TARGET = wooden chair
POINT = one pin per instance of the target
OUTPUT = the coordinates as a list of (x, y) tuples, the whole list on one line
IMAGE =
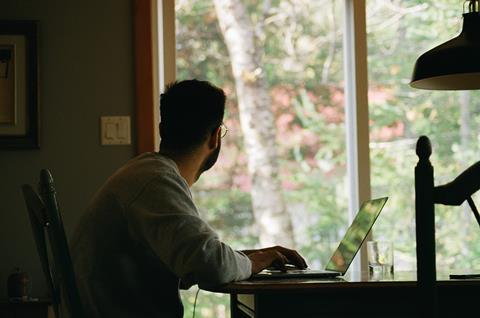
[(427, 195), (47, 227)]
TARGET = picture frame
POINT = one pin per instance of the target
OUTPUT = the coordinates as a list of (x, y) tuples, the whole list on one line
[(19, 102)]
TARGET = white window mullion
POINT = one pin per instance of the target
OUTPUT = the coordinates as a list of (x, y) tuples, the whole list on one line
[(356, 111)]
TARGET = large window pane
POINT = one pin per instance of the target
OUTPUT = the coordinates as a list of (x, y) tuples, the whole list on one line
[(398, 32), (294, 62)]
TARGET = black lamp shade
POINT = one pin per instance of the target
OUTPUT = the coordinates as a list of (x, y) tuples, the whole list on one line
[(453, 65)]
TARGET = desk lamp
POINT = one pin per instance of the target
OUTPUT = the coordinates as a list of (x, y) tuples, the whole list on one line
[(453, 65)]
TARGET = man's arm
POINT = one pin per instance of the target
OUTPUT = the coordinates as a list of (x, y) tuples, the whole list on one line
[(165, 219)]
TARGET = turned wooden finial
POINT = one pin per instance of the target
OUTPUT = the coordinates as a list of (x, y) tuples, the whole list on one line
[(424, 148)]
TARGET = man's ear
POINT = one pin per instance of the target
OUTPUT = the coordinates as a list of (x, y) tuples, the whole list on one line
[(214, 138)]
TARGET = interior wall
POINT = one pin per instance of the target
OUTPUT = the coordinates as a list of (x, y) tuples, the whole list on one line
[(86, 69)]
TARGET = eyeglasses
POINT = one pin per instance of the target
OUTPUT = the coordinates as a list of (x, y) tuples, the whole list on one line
[(223, 130)]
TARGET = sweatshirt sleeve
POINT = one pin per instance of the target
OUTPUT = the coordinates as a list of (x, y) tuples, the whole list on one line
[(164, 217)]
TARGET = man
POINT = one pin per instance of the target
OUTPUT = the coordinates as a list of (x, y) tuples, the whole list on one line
[(142, 235)]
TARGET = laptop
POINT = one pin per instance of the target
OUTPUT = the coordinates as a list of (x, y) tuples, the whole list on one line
[(343, 256)]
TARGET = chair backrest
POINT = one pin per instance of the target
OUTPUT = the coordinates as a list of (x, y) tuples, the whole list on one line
[(427, 195), (45, 217)]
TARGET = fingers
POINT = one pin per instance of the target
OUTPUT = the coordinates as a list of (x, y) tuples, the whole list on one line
[(280, 261), (267, 258), (292, 256), (277, 257), (296, 259)]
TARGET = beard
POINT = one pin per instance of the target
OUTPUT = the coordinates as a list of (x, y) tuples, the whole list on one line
[(210, 160)]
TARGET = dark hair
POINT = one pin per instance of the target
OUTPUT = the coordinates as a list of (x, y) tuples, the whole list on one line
[(190, 110)]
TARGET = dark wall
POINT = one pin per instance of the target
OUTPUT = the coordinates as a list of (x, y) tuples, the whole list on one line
[(86, 71)]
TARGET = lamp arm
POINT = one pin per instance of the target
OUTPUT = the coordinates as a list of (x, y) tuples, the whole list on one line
[(474, 209), (460, 189)]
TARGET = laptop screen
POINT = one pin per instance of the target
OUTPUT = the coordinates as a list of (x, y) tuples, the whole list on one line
[(355, 235)]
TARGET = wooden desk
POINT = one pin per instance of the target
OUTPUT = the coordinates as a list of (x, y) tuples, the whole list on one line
[(346, 297), (29, 309)]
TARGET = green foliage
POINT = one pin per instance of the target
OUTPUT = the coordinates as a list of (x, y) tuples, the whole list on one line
[(207, 304), (229, 213), (393, 47), (302, 59)]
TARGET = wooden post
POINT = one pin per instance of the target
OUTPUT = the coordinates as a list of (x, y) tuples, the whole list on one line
[(425, 230), (143, 21)]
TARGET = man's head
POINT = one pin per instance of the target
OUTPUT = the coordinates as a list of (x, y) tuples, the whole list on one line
[(190, 112)]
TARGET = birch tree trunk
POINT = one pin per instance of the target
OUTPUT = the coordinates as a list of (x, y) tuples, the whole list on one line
[(257, 122)]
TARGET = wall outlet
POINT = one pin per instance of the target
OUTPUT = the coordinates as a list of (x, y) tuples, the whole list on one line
[(115, 130)]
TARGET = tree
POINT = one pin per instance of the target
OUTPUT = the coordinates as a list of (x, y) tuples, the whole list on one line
[(257, 121), (297, 46)]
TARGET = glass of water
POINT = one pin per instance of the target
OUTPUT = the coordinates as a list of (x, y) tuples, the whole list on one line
[(380, 259)]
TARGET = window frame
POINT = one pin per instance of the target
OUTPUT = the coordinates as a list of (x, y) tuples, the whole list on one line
[(357, 115), (154, 32)]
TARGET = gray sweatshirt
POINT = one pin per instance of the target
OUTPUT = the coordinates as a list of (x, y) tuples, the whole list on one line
[(140, 235)]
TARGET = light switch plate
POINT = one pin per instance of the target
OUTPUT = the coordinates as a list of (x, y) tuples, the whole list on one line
[(115, 130)]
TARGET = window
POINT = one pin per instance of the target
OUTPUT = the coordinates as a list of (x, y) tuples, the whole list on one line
[(330, 139), (398, 32), (283, 69)]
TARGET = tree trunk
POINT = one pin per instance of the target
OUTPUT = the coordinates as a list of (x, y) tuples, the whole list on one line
[(257, 122), (331, 46)]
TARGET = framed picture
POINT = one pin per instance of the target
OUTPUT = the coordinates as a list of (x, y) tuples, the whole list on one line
[(18, 85)]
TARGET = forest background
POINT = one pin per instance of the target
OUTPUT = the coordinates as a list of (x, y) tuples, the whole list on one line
[(281, 177)]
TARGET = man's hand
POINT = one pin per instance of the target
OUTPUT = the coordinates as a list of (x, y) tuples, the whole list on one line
[(276, 256)]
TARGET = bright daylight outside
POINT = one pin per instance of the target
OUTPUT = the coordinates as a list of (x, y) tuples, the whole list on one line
[(281, 176)]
